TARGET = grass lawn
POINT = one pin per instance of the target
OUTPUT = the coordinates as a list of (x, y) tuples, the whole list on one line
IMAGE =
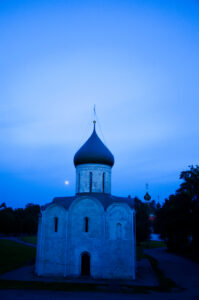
[(14, 255), (153, 244), (147, 245), (139, 253), (32, 239)]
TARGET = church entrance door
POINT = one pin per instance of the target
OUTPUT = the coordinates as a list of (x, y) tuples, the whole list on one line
[(85, 264)]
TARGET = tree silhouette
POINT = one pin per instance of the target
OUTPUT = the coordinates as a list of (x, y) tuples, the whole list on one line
[(19, 221), (178, 218)]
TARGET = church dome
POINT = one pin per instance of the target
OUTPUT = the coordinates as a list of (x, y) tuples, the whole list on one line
[(94, 152)]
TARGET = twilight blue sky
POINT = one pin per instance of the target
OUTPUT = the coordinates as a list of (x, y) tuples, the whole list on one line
[(138, 61)]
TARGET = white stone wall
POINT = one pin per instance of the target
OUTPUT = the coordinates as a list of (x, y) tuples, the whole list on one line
[(111, 247), (52, 246), (81, 241), (83, 178), (120, 242)]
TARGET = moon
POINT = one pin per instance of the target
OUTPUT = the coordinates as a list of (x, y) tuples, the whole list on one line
[(66, 182)]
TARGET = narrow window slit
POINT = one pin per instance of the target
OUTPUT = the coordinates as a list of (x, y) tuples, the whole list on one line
[(56, 224), (103, 182), (79, 183), (91, 181), (86, 224)]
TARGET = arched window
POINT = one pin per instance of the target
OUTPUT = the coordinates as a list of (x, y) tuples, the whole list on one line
[(56, 224), (119, 231), (86, 224), (90, 181), (79, 183), (103, 182)]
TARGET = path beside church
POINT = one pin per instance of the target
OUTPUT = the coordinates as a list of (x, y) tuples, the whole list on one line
[(52, 295), (181, 270)]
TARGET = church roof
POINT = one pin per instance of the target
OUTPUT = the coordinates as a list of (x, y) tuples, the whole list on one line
[(105, 199), (94, 152)]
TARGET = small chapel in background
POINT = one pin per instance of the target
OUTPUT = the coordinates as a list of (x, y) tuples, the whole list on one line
[(93, 232)]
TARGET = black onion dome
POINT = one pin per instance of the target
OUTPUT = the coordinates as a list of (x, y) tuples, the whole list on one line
[(94, 152)]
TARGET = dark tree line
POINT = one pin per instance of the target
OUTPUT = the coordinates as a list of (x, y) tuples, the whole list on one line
[(24, 221), (143, 225), (19, 221), (178, 219)]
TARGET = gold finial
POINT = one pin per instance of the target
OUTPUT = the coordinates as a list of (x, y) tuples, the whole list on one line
[(94, 112), (94, 122)]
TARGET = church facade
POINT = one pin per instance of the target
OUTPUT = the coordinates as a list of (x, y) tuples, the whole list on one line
[(91, 233)]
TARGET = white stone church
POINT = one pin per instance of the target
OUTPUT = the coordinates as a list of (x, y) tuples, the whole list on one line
[(91, 233)]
